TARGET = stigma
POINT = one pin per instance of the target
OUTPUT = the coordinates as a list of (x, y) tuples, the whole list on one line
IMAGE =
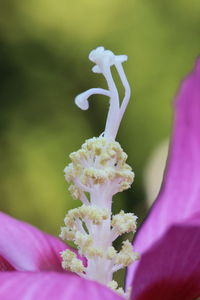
[(104, 60)]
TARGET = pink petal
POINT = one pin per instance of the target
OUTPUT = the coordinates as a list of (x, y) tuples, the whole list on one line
[(51, 286), (180, 193), (24, 247), (4, 265), (170, 269)]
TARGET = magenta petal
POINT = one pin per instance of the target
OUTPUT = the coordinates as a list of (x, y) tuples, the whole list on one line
[(51, 285), (180, 193), (170, 269), (5, 266), (24, 247)]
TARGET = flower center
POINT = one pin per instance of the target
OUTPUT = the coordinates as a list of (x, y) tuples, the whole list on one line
[(98, 171)]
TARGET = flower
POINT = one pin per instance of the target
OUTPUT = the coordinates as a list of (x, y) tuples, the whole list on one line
[(168, 240)]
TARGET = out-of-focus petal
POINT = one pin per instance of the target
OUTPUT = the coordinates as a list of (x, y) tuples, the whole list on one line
[(170, 269), (179, 197), (51, 285), (4, 265), (24, 247)]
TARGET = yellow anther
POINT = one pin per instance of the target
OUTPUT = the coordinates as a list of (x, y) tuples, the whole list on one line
[(67, 234), (121, 292), (98, 151), (71, 262), (69, 172), (93, 213), (75, 192), (113, 285), (82, 241), (111, 253), (124, 186), (124, 222), (126, 256), (96, 175)]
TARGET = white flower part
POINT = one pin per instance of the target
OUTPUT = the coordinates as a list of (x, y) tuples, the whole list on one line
[(98, 170), (102, 57), (104, 60), (82, 100)]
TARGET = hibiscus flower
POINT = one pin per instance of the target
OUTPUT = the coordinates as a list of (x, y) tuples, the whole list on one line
[(168, 241)]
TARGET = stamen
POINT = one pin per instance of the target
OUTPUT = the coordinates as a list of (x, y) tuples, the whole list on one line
[(97, 172), (126, 256), (71, 262), (123, 223), (114, 286), (98, 162)]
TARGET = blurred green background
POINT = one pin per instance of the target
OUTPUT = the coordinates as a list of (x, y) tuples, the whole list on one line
[(43, 65)]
